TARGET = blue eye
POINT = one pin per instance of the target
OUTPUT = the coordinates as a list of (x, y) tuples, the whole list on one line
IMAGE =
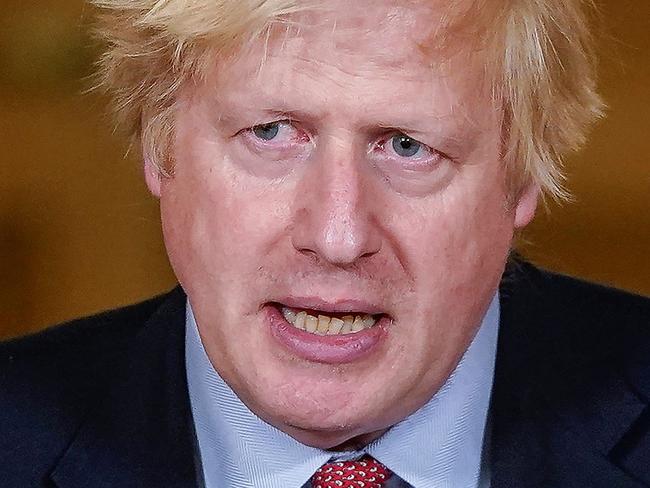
[(404, 146), (267, 132)]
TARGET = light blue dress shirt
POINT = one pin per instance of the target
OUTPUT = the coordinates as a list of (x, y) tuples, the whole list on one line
[(438, 446)]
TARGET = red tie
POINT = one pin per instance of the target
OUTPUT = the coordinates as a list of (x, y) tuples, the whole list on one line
[(364, 473)]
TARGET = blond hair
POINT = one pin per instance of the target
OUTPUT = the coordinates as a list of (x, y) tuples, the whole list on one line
[(541, 57)]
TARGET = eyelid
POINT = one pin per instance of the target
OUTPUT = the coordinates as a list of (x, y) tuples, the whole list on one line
[(262, 123), (295, 137), (249, 131), (398, 133), (271, 122)]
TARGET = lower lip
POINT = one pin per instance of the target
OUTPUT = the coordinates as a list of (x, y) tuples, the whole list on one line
[(330, 349)]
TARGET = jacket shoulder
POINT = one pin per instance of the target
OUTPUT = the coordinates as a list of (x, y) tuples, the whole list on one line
[(572, 380), (578, 323), (571, 293), (49, 379), (103, 330)]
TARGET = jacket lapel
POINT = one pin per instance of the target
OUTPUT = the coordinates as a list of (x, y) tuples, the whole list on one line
[(559, 420), (139, 434)]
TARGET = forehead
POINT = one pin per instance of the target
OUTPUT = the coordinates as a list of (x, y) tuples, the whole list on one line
[(363, 55), (385, 34)]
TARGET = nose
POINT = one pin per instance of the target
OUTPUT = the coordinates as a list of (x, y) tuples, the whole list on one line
[(333, 213)]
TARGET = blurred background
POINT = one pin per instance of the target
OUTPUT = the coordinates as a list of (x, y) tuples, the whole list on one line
[(79, 232)]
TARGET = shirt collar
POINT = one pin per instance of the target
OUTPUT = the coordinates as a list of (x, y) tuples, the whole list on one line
[(438, 445)]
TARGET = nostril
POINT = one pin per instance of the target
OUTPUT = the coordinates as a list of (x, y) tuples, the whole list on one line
[(369, 254), (310, 253)]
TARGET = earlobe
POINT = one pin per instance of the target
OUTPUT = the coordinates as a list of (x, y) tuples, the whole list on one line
[(152, 177), (526, 206)]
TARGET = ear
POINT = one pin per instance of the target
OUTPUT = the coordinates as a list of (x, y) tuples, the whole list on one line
[(526, 205), (152, 176)]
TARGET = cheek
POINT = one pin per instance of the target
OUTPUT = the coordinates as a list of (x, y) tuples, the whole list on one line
[(457, 244), (214, 215), (215, 220)]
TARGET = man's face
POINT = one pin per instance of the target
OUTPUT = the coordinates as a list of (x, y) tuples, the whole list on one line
[(337, 171)]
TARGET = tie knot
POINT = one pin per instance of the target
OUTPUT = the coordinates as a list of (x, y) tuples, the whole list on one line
[(364, 473)]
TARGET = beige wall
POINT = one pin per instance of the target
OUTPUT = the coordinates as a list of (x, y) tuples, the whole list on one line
[(79, 233)]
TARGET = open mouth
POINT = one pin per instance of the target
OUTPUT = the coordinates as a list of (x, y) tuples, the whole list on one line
[(336, 336), (323, 322)]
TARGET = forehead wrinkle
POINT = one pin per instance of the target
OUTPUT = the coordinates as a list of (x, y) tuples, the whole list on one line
[(380, 63), (345, 69), (286, 92), (441, 106), (344, 76), (308, 34)]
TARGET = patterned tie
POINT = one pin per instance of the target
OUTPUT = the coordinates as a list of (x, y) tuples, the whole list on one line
[(364, 473)]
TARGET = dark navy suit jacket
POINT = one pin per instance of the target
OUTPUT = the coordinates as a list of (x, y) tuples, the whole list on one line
[(103, 402)]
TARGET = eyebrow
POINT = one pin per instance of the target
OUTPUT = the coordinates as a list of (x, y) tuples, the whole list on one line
[(398, 122), (450, 134), (232, 111)]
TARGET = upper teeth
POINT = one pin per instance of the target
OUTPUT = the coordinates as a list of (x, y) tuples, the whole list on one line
[(324, 324)]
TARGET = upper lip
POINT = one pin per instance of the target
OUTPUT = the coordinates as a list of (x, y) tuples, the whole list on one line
[(337, 305)]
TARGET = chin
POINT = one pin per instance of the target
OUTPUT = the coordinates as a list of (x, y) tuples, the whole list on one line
[(341, 434), (323, 435), (328, 420)]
